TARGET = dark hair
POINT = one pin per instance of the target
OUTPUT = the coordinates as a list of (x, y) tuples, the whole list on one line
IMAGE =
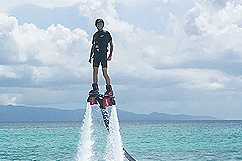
[(98, 21)]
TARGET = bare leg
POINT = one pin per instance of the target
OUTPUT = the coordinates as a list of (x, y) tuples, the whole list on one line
[(95, 75), (105, 74)]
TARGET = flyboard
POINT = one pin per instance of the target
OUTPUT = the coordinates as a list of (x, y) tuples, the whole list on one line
[(104, 102)]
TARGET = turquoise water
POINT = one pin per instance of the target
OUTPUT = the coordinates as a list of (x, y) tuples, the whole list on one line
[(161, 140)]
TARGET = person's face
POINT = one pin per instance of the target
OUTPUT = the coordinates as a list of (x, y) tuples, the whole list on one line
[(100, 26)]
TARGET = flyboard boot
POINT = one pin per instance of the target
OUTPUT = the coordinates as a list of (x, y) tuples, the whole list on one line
[(95, 90), (93, 94), (109, 91), (108, 99)]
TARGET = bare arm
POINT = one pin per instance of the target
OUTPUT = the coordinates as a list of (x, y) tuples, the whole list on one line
[(111, 50), (91, 53)]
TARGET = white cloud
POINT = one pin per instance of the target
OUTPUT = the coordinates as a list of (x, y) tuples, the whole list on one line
[(39, 67), (56, 48), (6, 71), (215, 31), (6, 99), (94, 9), (200, 79)]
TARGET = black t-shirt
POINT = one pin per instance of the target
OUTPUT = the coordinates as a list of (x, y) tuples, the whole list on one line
[(100, 41)]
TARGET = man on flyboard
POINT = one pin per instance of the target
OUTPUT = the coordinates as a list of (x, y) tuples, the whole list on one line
[(101, 40)]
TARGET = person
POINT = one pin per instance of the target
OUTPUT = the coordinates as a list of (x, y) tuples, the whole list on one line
[(101, 40)]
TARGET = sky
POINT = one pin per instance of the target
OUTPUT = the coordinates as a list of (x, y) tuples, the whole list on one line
[(170, 56)]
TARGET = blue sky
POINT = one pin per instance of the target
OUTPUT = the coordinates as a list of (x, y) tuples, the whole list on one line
[(172, 56)]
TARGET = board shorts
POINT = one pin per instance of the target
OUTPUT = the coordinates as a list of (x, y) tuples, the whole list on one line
[(97, 61)]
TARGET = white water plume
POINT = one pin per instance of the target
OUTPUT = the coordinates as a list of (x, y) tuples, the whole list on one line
[(114, 146), (85, 152)]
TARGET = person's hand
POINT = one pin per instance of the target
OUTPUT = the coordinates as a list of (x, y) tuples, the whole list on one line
[(90, 60), (109, 58)]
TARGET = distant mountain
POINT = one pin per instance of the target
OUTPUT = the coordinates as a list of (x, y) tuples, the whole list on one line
[(123, 115), (23, 113)]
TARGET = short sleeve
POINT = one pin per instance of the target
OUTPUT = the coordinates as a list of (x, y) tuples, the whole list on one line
[(109, 37)]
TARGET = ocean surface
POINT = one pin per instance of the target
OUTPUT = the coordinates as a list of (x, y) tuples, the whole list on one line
[(144, 140)]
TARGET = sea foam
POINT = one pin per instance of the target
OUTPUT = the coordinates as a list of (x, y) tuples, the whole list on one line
[(85, 152), (114, 146)]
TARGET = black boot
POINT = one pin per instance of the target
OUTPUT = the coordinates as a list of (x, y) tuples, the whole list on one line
[(94, 89), (109, 91)]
